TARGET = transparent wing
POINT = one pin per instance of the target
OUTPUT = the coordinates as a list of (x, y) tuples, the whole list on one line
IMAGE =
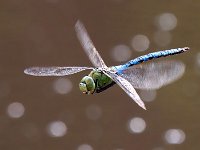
[(154, 75), (54, 71), (127, 87), (88, 46)]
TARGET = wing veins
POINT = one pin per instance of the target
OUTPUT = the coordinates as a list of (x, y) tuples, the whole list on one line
[(154, 75), (88, 45), (54, 71), (127, 87)]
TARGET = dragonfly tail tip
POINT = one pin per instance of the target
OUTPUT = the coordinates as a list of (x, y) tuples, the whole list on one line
[(25, 71), (186, 48)]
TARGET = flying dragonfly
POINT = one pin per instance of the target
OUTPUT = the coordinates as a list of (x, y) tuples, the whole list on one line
[(128, 76)]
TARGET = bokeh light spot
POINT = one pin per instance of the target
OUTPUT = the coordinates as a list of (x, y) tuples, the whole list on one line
[(148, 95), (162, 38), (93, 112), (4, 89), (52, 1), (15, 110), (174, 136), (197, 63), (198, 59), (140, 42), (158, 148), (85, 147), (166, 21), (57, 129), (136, 125), (121, 53), (31, 131), (62, 86)]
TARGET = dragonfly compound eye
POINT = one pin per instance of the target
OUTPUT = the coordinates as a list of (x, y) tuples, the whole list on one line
[(87, 85)]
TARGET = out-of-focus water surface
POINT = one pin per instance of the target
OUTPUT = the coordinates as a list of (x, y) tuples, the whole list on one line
[(50, 113)]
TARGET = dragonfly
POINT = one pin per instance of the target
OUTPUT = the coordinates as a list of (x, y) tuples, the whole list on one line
[(129, 76)]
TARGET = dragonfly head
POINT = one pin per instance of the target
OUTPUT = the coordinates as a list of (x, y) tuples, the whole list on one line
[(87, 85)]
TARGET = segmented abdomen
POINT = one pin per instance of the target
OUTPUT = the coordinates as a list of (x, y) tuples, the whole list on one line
[(150, 56)]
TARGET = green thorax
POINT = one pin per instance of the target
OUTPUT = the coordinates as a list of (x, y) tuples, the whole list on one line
[(101, 80)]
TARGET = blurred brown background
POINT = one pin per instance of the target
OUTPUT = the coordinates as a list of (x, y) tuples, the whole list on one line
[(50, 113)]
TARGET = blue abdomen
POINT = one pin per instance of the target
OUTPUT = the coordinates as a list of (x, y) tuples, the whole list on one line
[(150, 56)]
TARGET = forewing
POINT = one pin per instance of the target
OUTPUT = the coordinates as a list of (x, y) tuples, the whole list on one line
[(88, 46), (154, 75), (54, 71), (127, 87)]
